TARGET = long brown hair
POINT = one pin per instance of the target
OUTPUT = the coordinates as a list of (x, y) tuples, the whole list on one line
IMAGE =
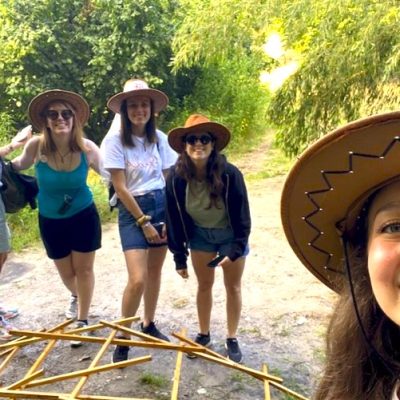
[(76, 143), (187, 170), (360, 366), (126, 126)]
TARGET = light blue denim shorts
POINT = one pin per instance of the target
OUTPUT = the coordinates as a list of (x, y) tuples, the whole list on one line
[(213, 240), (132, 236)]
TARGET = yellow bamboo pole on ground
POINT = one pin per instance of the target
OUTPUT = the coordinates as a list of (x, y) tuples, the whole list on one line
[(288, 391), (93, 364), (177, 372), (266, 383), (31, 339), (132, 332), (24, 394), (219, 359), (27, 378), (88, 371), (9, 357)]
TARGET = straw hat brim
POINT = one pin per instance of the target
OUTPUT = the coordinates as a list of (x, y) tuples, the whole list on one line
[(160, 99), (326, 188), (220, 132), (40, 102)]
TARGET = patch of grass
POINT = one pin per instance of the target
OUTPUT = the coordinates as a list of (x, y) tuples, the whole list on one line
[(154, 380), (255, 331)]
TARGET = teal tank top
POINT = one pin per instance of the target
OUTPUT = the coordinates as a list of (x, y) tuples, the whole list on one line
[(56, 186)]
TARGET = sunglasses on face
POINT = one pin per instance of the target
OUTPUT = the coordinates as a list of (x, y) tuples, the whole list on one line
[(53, 114), (193, 139)]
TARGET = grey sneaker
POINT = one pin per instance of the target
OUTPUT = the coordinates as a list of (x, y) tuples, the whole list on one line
[(71, 311), (233, 350), (202, 340), (78, 343), (120, 353)]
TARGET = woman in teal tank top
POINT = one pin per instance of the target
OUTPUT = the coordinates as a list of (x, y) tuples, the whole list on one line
[(68, 220)]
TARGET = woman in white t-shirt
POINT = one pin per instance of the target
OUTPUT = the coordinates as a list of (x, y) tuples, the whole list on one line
[(137, 155)]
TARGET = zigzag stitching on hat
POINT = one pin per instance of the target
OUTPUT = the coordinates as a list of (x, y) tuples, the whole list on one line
[(328, 188)]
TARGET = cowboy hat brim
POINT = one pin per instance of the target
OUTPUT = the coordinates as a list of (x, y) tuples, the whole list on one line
[(220, 133), (324, 191), (40, 102), (160, 99)]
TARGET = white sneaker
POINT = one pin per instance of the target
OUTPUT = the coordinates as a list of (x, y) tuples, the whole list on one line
[(72, 309), (78, 343)]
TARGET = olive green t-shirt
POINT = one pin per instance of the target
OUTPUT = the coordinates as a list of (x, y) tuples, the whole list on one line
[(197, 206)]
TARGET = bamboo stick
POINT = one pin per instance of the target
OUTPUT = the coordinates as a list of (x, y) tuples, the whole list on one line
[(95, 361), (219, 359), (266, 383), (31, 339), (132, 332), (288, 391), (9, 357), (27, 378), (88, 371), (177, 372), (121, 342)]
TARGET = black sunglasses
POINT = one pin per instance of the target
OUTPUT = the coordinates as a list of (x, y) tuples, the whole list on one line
[(193, 139), (53, 114)]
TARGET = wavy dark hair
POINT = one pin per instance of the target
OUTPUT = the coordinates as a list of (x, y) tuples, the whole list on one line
[(363, 344), (126, 126), (215, 165)]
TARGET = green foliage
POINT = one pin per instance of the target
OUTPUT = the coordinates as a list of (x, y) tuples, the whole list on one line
[(90, 47), (154, 380), (349, 52)]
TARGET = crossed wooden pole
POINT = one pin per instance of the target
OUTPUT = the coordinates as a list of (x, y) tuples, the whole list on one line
[(34, 376)]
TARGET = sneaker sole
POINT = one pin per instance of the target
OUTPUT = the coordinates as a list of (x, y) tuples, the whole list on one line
[(75, 345)]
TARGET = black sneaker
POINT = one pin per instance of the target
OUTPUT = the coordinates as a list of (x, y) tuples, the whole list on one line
[(153, 331), (202, 340), (120, 353), (233, 350)]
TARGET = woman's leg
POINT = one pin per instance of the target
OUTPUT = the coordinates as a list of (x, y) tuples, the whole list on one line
[(136, 263), (205, 280), (67, 273), (156, 257), (82, 264), (232, 280), (3, 258)]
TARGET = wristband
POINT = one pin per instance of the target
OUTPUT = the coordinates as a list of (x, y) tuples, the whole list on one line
[(143, 219)]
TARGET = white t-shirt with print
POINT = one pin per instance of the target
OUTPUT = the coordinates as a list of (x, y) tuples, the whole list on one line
[(143, 163)]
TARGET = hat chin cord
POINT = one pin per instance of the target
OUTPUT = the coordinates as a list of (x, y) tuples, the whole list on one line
[(372, 348)]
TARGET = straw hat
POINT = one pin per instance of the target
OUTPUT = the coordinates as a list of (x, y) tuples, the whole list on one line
[(39, 104), (197, 123), (327, 187), (137, 87)]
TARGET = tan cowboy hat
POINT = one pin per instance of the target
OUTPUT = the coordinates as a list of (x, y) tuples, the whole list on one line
[(325, 190), (197, 123), (39, 104), (137, 87)]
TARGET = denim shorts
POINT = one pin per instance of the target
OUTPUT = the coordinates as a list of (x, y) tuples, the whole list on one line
[(213, 240), (5, 236), (132, 236), (80, 232)]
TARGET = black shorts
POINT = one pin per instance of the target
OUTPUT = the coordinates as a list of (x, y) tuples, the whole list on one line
[(81, 232)]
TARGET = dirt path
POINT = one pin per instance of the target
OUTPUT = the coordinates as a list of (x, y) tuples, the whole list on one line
[(283, 321)]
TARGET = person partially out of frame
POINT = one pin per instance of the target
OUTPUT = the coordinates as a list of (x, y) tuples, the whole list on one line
[(341, 215)]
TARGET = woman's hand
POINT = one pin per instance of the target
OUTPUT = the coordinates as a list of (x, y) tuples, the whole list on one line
[(21, 137), (151, 234)]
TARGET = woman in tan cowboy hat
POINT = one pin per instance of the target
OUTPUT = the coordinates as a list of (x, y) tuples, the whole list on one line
[(137, 156), (68, 219), (208, 213), (341, 214)]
